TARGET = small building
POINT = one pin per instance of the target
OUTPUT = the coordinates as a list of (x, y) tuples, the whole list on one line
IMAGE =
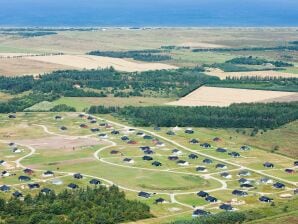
[(4, 188), (234, 154), (221, 150), (93, 121), (63, 128), (160, 201), (243, 181), (147, 137), (94, 129), (207, 161), (17, 194), (193, 156), (114, 152), (48, 173), (202, 194), (115, 132), (103, 136), (211, 199), (266, 180), (173, 158), (24, 178), (78, 176), (216, 139), (72, 186), (200, 212), (279, 185), (2, 162), (83, 126), (268, 165), (226, 207), (143, 148), (201, 169), (205, 145), (220, 166), (139, 133), (244, 173), (5, 173), (176, 152), (147, 158), (156, 163), (128, 160), (149, 152), (296, 163), (194, 141), (159, 144), (12, 116), (33, 186), (245, 148), (124, 138), (143, 194), (246, 186), (58, 117), (131, 142), (94, 182), (45, 190), (157, 128), (170, 133), (239, 193), (290, 171), (182, 163), (265, 199), (226, 175), (28, 171), (189, 131)]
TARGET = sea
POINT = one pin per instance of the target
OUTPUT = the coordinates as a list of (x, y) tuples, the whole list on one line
[(148, 13)]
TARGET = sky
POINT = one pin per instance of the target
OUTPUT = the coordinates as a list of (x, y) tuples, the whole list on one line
[(148, 12)]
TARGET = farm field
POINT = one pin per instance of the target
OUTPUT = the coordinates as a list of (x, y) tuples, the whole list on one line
[(215, 96), (102, 154)]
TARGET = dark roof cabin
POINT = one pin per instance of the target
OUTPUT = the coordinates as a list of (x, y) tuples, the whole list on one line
[(147, 137), (144, 194), (202, 194), (28, 171), (226, 207), (170, 133), (4, 188), (201, 169), (188, 131), (291, 171), (207, 161), (279, 185), (246, 186), (33, 186), (156, 163), (157, 128), (244, 148), (296, 163), (114, 152), (24, 178), (147, 158), (200, 212), (45, 190), (173, 158), (63, 128), (115, 132), (205, 145), (194, 141), (243, 181), (58, 117), (160, 201), (94, 182), (83, 126), (211, 199), (244, 173), (72, 186), (221, 150), (234, 154), (12, 116), (17, 194), (239, 193), (124, 138), (148, 152), (268, 165), (192, 156), (78, 176), (220, 166), (94, 129), (216, 139), (265, 199)]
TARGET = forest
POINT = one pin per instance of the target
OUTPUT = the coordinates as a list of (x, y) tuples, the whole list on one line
[(98, 205), (258, 61), (250, 115), (142, 55)]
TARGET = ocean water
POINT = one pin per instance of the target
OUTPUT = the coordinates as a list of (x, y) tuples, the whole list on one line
[(149, 13)]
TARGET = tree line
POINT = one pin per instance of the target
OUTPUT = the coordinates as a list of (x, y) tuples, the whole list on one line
[(249, 115), (257, 61), (98, 205), (141, 55)]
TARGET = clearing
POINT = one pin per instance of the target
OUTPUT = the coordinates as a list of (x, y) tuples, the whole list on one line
[(215, 96)]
